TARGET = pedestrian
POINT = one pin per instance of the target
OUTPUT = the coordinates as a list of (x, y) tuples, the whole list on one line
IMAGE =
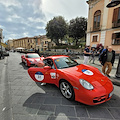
[(107, 58), (93, 53), (86, 54), (100, 50), (67, 50), (105, 49), (38, 51)]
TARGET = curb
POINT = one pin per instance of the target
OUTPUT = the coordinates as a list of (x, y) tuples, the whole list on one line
[(115, 81)]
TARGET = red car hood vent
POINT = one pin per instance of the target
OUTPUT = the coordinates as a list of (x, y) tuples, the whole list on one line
[(88, 73)]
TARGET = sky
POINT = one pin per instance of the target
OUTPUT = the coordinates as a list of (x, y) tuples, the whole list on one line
[(28, 18)]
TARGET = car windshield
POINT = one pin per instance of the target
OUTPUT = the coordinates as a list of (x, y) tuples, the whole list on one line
[(65, 62), (33, 56)]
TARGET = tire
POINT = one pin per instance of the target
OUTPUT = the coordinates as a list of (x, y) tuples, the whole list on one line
[(22, 60), (67, 90), (26, 64)]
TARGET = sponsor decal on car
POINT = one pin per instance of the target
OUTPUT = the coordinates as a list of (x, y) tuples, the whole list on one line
[(39, 76), (87, 72), (53, 75)]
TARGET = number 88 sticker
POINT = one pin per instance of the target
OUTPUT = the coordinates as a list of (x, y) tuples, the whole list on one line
[(39, 76)]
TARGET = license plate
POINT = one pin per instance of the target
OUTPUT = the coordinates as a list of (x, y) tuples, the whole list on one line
[(110, 95)]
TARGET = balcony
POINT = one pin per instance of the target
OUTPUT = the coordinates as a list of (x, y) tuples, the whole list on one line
[(96, 29), (115, 25)]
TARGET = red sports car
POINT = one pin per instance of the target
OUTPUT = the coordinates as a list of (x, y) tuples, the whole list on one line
[(83, 83), (31, 59)]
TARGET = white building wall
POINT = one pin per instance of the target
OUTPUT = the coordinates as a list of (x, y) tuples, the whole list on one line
[(102, 38), (88, 39)]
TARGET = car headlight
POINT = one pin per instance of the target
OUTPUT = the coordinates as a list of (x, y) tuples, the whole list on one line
[(30, 61), (86, 84)]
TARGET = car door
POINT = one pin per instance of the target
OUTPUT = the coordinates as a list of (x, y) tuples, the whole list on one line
[(50, 74), (46, 74)]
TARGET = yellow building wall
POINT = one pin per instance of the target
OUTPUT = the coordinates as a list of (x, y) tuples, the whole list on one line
[(108, 25), (98, 6)]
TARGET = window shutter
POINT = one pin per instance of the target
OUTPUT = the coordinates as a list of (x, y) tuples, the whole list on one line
[(115, 15), (113, 36)]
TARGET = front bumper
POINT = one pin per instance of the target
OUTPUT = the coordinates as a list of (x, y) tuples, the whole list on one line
[(96, 96)]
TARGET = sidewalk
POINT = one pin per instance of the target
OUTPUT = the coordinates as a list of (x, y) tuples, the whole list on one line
[(115, 81), (1, 66)]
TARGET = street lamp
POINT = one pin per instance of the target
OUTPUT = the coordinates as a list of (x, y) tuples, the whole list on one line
[(114, 3)]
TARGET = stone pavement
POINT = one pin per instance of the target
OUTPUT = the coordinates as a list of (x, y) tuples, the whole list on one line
[(115, 81), (31, 101)]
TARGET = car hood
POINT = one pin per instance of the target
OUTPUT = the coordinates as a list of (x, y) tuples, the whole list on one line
[(34, 59), (88, 73)]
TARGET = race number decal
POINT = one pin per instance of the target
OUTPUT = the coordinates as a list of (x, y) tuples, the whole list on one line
[(39, 76), (87, 72), (53, 75)]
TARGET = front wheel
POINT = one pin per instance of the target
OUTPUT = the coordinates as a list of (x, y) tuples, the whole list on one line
[(67, 90)]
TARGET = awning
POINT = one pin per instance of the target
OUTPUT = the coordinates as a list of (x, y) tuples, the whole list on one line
[(20, 48), (3, 44)]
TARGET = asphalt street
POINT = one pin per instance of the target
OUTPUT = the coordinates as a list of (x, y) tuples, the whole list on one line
[(23, 99)]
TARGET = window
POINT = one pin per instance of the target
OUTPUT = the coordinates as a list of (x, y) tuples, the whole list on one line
[(49, 62), (95, 38), (116, 18), (46, 42), (97, 17), (116, 38)]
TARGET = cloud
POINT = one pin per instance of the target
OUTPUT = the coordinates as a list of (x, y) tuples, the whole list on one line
[(27, 18), (67, 8), (21, 18)]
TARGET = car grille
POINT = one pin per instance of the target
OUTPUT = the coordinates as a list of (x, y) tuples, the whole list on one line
[(99, 99)]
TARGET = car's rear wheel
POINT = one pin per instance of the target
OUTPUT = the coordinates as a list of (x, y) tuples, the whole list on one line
[(67, 90), (26, 63), (22, 60)]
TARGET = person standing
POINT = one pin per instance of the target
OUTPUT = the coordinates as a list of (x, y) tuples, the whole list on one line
[(93, 53), (107, 58), (86, 54)]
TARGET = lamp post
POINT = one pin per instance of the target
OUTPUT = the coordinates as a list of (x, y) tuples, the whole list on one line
[(114, 3)]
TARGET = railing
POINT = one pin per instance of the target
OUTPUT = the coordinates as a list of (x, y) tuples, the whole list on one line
[(114, 25)]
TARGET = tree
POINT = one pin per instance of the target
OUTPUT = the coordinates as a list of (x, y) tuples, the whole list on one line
[(56, 29), (77, 28)]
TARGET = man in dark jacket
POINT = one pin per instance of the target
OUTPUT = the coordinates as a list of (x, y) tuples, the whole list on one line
[(107, 59)]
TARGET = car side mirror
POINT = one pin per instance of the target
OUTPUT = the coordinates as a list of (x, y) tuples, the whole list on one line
[(47, 67)]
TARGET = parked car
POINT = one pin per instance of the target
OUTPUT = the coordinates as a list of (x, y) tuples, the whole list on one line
[(31, 59), (83, 83), (5, 53)]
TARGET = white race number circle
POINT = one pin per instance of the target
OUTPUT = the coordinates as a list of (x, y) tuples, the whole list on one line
[(39, 76), (87, 72)]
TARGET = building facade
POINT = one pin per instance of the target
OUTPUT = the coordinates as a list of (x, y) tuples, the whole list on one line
[(10, 44), (103, 24), (43, 43), (27, 43), (36, 42)]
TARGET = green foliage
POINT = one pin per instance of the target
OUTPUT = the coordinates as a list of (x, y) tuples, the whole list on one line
[(77, 28), (56, 29), (68, 46)]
